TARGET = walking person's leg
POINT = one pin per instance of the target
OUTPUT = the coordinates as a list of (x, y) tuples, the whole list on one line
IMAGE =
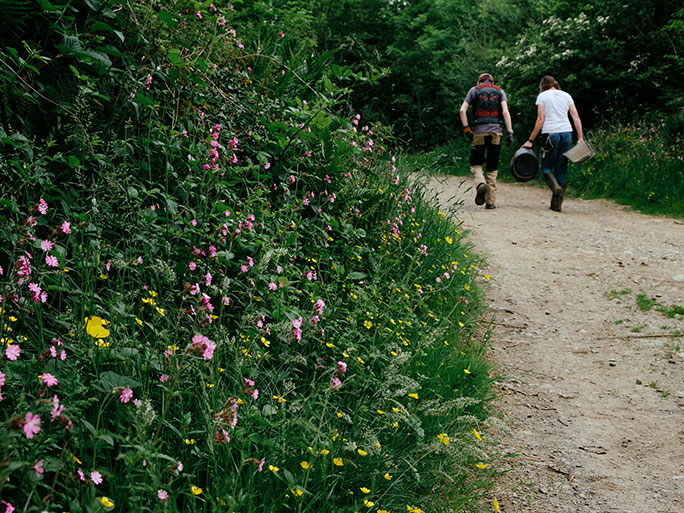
[(493, 145), (477, 160), (548, 165), (561, 166)]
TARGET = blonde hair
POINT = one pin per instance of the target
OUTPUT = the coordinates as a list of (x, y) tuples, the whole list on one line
[(547, 82)]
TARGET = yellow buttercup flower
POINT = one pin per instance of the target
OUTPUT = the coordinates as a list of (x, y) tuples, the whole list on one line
[(195, 490), (106, 502), (305, 465), (368, 504), (413, 395), (444, 438), (387, 476), (338, 462), (140, 323), (481, 466), (495, 503), (362, 452), (466, 371), (364, 489), (325, 452), (477, 435), (96, 326), (273, 468)]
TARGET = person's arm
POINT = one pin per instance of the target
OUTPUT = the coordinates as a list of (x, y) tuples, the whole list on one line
[(577, 122), (464, 116), (506, 116), (537, 126)]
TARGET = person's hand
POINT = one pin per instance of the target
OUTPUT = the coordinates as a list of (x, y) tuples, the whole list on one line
[(468, 132), (509, 138), (528, 144)]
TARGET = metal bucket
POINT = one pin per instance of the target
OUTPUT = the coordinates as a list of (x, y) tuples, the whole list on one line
[(524, 165), (581, 152)]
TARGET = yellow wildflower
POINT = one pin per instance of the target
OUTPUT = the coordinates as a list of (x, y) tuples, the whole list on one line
[(495, 503), (106, 502), (195, 490), (305, 465), (477, 435), (362, 452), (444, 438), (96, 326), (273, 468), (481, 466), (413, 395), (387, 476), (338, 462), (365, 490)]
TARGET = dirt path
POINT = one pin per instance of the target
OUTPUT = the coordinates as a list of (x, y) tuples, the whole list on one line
[(595, 405)]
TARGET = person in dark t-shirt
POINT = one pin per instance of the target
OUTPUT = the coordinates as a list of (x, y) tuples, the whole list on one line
[(489, 106)]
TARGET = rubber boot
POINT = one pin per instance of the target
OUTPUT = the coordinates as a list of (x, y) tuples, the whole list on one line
[(551, 181), (562, 195)]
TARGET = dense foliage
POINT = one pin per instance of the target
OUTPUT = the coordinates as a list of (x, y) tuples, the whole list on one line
[(619, 59), (218, 293)]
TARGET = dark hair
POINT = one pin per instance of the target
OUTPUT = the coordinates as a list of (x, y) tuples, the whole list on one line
[(547, 82)]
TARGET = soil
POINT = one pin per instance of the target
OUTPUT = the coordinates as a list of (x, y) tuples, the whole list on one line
[(591, 384)]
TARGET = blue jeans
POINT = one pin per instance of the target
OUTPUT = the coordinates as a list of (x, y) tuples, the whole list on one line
[(554, 161)]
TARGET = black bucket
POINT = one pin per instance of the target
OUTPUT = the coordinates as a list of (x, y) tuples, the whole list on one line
[(524, 165)]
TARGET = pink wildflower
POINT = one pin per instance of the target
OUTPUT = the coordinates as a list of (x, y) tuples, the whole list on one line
[(65, 227), (51, 261), (201, 345), (96, 477), (46, 245), (207, 279), (297, 331), (335, 383), (272, 286), (342, 366), (126, 395), (8, 507), (318, 306), (31, 425), (38, 468), (42, 206), (49, 379), (192, 266), (2, 379), (81, 475), (163, 378), (57, 408), (249, 382), (162, 495), (261, 464), (12, 352)]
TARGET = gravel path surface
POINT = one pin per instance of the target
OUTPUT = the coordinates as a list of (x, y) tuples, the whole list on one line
[(592, 385)]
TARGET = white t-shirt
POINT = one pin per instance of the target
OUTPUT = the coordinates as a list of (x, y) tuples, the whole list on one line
[(556, 104)]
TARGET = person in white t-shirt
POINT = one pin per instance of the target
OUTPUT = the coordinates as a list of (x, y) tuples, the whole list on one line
[(553, 107)]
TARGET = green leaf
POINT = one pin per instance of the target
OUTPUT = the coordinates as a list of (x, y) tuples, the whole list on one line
[(74, 163), (174, 56), (107, 438), (168, 18), (113, 380), (358, 276)]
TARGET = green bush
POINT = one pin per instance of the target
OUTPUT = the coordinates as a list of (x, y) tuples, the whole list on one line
[(217, 294)]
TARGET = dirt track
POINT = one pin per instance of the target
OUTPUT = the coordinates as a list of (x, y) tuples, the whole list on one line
[(592, 386)]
